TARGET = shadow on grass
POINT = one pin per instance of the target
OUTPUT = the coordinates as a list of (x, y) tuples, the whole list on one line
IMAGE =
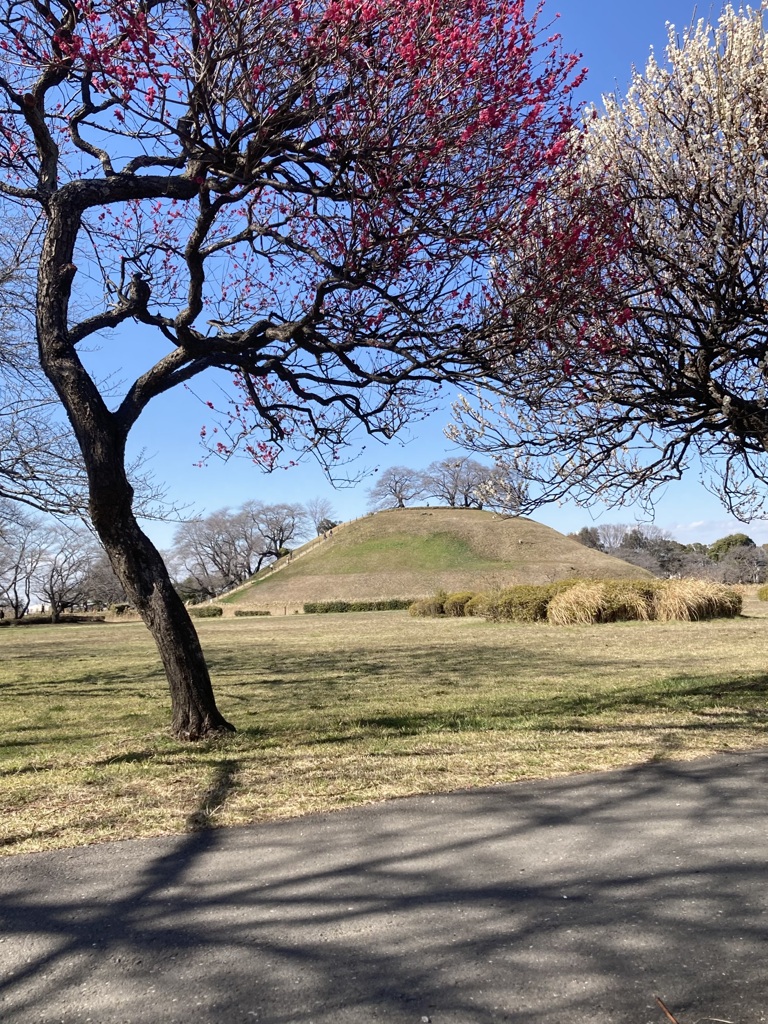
[(130, 757), (213, 799), (722, 704)]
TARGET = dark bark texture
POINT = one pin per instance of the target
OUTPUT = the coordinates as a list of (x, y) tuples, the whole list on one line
[(101, 437)]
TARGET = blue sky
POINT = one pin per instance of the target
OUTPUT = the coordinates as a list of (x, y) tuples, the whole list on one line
[(612, 37)]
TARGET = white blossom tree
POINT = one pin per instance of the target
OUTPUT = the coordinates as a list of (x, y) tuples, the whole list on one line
[(669, 369)]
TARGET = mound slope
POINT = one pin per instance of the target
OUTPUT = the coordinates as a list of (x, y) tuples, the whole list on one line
[(413, 552)]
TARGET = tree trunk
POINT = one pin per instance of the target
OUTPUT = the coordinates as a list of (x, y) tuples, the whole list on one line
[(101, 435), (142, 572)]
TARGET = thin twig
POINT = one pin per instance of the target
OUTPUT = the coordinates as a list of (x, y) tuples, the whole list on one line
[(666, 1010)]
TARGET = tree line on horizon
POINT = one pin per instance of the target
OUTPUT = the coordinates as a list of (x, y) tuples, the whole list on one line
[(734, 558), (62, 566)]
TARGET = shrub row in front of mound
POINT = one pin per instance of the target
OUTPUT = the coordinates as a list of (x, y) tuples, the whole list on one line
[(514, 604), (392, 604), (583, 602), (205, 611), (38, 619), (241, 613)]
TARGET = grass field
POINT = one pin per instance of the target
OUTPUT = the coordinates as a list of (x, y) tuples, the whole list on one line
[(337, 710)]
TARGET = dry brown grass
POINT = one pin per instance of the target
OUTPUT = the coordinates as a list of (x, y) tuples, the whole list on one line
[(687, 600), (334, 710), (691, 600), (580, 605)]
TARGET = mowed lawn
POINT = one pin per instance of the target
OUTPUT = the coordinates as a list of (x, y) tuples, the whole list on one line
[(334, 710)]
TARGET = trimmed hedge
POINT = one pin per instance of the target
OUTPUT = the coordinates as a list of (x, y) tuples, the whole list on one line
[(243, 612), (762, 593), (36, 619), (206, 611), (392, 604)]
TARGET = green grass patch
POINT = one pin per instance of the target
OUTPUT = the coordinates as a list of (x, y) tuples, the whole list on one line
[(440, 552), (350, 709)]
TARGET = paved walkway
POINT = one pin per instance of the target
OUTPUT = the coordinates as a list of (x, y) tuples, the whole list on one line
[(572, 901)]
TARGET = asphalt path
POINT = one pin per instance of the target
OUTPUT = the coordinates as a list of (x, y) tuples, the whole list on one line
[(569, 901)]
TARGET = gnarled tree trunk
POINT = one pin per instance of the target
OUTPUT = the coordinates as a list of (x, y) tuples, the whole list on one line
[(142, 572), (101, 435)]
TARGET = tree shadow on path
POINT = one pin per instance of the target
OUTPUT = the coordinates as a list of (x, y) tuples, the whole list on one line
[(568, 901)]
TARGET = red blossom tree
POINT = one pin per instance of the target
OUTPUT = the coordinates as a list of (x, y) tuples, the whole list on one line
[(309, 194)]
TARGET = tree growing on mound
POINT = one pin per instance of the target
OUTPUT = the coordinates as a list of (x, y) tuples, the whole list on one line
[(396, 487), (670, 370), (311, 196), (466, 483)]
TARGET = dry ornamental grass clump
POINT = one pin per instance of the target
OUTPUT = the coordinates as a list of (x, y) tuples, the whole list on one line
[(587, 602), (691, 600), (597, 601)]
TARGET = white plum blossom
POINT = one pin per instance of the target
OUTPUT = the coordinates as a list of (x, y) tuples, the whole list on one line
[(668, 370)]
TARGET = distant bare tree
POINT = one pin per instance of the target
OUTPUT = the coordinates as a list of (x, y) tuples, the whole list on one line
[(219, 550), (455, 481), (646, 546), (612, 536), (396, 487), (320, 510), (20, 554), (226, 547), (743, 564), (589, 536), (63, 569), (280, 524), (101, 587)]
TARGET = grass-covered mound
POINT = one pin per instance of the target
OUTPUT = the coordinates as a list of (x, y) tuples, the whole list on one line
[(585, 602), (417, 551)]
